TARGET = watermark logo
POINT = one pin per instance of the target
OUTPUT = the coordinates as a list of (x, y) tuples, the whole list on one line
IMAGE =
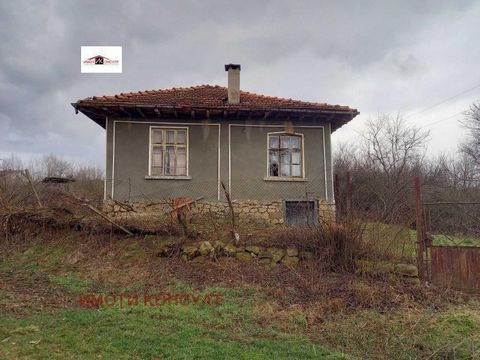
[(162, 298), (101, 59)]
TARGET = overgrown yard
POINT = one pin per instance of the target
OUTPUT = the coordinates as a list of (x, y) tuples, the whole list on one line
[(260, 312)]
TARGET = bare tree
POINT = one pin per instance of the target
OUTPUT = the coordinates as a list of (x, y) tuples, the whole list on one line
[(54, 166), (471, 147), (13, 162), (392, 146), (391, 153)]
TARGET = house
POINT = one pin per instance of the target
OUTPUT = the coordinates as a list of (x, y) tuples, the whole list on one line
[(272, 154)]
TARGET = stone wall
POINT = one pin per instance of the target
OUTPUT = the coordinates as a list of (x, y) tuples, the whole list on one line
[(247, 211), (269, 212)]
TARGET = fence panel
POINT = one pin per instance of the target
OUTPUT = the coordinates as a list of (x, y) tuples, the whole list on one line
[(456, 267)]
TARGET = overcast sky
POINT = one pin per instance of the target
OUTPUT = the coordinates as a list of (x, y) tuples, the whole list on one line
[(377, 56)]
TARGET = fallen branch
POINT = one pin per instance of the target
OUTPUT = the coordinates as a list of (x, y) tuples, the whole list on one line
[(110, 220)]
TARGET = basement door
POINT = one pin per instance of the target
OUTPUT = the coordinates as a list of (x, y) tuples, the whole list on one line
[(300, 213)]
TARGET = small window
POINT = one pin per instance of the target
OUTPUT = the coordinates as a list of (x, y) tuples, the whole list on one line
[(285, 155), (168, 152)]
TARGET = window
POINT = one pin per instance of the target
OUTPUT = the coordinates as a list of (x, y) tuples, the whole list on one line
[(168, 152), (298, 213), (285, 155)]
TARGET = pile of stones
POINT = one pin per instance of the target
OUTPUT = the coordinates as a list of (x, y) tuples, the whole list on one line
[(266, 255)]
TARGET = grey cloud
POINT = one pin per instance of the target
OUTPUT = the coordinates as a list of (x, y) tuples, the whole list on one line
[(367, 54)]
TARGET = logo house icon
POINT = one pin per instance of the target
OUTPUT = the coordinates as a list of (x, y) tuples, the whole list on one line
[(101, 59)]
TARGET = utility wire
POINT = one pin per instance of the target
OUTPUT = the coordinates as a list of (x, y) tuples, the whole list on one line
[(443, 101), (444, 119)]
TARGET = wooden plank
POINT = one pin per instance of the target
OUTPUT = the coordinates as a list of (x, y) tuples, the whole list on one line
[(184, 204)]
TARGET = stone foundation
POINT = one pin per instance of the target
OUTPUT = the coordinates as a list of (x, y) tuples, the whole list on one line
[(271, 212)]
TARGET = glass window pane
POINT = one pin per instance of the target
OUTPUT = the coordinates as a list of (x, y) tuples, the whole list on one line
[(285, 170), (157, 171), (295, 142), (285, 157), (296, 171), (296, 156), (273, 163), (157, 156), (170, 136), (181, 158), (181, 171), (284, 142), (181, 137), (157, 136), (273, 156), (170, 160), (273, 142)]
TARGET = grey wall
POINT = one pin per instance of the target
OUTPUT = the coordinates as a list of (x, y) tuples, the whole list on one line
[(249, 165), (247, 155), (130, 165)]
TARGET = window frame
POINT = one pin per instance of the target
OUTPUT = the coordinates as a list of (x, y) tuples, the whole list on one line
[(302, 157), (164, 145)]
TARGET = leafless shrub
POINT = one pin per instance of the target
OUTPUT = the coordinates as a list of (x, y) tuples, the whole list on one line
[(334, 246)]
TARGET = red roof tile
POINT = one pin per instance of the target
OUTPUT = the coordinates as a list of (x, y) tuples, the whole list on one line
[(208, 96)]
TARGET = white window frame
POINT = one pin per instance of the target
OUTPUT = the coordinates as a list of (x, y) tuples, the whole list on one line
[(268, 177), (150, 147)]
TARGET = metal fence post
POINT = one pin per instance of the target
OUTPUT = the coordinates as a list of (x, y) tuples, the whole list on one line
[(419, 227)]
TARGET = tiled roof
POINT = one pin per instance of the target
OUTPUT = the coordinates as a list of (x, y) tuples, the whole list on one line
[(210, 97)]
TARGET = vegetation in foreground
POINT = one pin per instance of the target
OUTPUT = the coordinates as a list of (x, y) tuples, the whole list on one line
[(277, 312)]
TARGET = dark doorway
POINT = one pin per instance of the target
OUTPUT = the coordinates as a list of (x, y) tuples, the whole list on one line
[(299, 213)]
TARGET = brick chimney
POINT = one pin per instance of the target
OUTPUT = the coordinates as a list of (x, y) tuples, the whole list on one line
[(233, 83)]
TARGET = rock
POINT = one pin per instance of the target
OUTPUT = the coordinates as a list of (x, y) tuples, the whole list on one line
[(376, 267), (265, 254), (230, 250), (277, 254), (254, 249), (290, 260), (206, 248), (199, 259), (244, 256), (383, 268), (305, 255), (292, 251), (218, 245), (266, 261), (406, 270), (190, 251), (134, 246)]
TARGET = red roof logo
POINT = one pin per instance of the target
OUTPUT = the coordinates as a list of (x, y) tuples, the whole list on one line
[(100, 60)]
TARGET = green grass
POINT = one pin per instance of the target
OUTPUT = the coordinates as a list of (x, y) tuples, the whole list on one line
[(412, 334), (70, 283), (456, 240), (247, 324), (394, 240), (400, 241), (232, 330)]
